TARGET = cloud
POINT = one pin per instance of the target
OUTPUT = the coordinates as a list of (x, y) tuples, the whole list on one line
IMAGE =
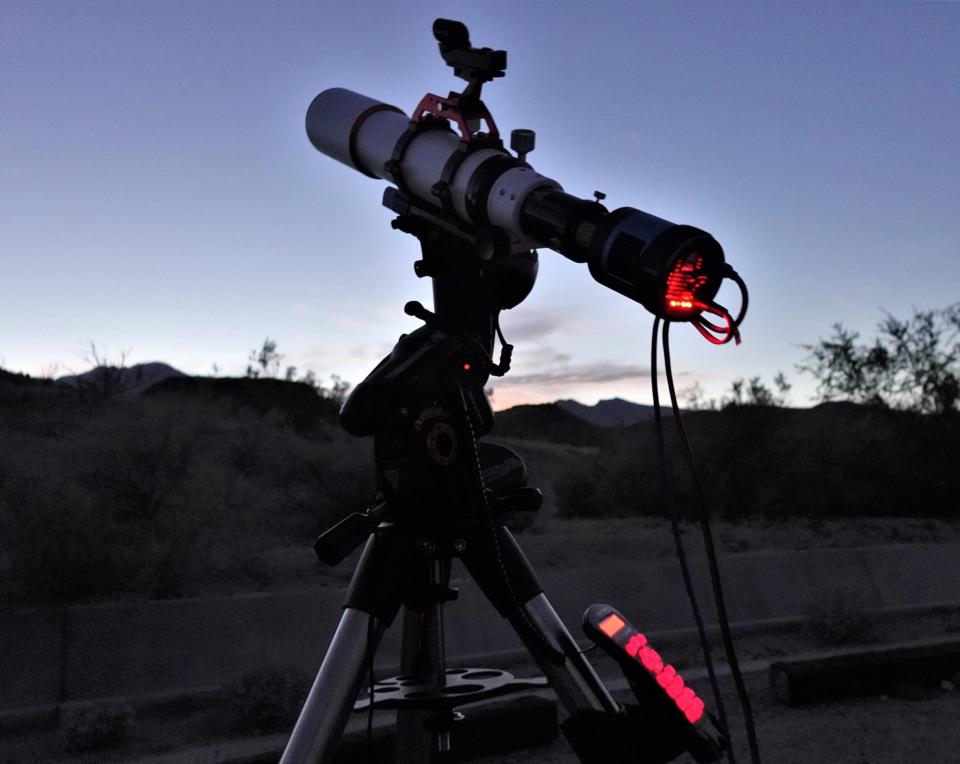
[(543, 355), (579, 375), (530, 325)]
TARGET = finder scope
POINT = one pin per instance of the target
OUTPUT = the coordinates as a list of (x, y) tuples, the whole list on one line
[(466, 181)]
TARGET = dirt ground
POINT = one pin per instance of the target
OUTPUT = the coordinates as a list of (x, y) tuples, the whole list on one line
[(911, 725), (574, 543)]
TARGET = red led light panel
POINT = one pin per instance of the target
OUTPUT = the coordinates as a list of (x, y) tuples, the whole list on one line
[(683, 282), (635, 644)]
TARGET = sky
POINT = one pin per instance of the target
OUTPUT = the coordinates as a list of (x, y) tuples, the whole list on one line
[(159, 197)]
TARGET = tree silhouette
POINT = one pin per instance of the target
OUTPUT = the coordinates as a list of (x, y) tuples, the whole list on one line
[(912, 364), (265, 361), (753, 392)]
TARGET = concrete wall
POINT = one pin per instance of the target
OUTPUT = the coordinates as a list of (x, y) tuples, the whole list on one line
[(54, 655)]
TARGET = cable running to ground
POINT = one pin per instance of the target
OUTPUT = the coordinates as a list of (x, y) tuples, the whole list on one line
[(714, 568), (674, 513)]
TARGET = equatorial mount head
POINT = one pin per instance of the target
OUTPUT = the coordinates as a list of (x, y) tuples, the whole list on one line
[(475, 65)]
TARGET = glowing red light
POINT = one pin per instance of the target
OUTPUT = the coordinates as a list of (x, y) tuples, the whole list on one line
[(694, 711), (466, 367), (665, 677), (651, 660), (672, 684), (684, 699), (635, 644), (675, 687), (683, 282), (612, 624)]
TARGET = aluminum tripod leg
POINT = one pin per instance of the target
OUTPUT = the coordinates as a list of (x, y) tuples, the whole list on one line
[(502, 571), (576, 683), (325, 712), (375, 592)]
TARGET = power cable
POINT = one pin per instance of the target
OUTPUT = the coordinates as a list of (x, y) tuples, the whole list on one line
[(681, 552), (710, 549)]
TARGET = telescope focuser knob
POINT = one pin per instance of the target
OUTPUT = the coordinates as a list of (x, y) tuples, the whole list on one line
[(522, 142)]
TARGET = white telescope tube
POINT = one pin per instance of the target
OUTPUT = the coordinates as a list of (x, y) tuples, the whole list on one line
[(489, 186)]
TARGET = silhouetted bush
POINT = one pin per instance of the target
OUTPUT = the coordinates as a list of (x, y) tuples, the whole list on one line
[(834, 460), (159, 494), (601, 488)]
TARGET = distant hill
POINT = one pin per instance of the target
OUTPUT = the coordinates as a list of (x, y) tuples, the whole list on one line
[(612, 412), (131, 380), (22, 380), (547, 421)]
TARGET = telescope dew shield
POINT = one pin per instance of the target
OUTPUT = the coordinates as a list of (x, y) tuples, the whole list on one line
[(672, 270), (356, 130), (488, 187)]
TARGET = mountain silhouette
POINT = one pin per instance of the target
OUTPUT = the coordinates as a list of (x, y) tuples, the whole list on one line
[(127, 379), (612, 412)]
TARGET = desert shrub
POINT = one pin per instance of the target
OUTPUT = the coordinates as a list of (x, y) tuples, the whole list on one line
[(577, 489), (160, 495), (840, 617), (836, 460), (611, 484), (267, 698), (751, 392), (96, 725)]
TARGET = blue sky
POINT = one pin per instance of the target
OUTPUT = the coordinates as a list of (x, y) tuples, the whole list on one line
[(158, 193)]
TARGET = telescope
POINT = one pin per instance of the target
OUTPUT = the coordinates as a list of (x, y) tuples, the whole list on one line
[(467, 183), (480, 213)]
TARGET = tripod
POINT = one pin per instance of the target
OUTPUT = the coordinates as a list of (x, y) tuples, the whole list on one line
[(443, 496)]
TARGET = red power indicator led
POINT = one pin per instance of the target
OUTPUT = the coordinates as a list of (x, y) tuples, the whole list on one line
[(466, 367), (683, 282), (611, 625)]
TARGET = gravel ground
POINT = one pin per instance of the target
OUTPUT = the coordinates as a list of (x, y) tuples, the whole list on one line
[(915, 725)]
